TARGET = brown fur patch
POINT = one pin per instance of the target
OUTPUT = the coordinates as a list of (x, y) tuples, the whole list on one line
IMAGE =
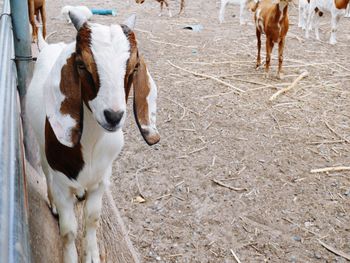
[(141, 91), (133, 61), (90, 81), (136, 75), (72, 104), (341, 4), (66, 160)]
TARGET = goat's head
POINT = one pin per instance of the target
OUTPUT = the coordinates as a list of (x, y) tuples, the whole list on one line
[(99, 74)]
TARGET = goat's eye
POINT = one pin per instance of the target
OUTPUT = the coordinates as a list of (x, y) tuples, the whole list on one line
[(136, 67), (81, 65)]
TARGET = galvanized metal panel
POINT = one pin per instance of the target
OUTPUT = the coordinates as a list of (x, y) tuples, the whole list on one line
[(14, 242)]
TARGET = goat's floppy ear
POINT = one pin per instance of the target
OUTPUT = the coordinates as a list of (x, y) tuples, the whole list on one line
[(64, 104), (77, 19), (145, 105), (130, 21)]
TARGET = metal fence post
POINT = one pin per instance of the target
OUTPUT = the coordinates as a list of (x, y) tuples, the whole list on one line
[(14, 235), (25, 64), (22, 42)]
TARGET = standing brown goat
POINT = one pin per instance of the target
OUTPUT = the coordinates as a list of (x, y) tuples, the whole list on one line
[(271, 19), (162, 2), (34, 7)]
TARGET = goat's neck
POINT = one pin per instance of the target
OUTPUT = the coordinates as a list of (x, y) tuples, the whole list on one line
[(282, 7), (281, 11)]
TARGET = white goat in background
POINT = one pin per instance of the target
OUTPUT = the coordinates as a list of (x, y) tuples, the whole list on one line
[(316, 9), (243, 10)]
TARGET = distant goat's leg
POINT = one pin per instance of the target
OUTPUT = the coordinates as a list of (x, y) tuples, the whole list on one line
[(280, 57), (31, 10), (269, 47), (222, 11), (242, 19), (92, 213), (182, 6), (167, 6), (316, 23), (334, 23), (161, 7), (258, 59), (43, 18)]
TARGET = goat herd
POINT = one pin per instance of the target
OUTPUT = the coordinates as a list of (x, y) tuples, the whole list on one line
[(76, 101)]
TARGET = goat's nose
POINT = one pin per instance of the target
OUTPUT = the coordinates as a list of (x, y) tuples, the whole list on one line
[(113, 117)]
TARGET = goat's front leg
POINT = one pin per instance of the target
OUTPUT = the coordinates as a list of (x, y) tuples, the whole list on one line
[(309, 20), (258, 60), (92, 212), (269, 47), (48, 176), (334, 23), (280, 58), (242, 18), (65, 200)]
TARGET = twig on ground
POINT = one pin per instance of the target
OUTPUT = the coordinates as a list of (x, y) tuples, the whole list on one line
[(183, 108), (332, 130), (301, 76), (172, 44), (237, 90), (334, 250), (218, 95), (295, 36), (330, 169), (228, 186), (235, 256), (325, 142), (198, 150)]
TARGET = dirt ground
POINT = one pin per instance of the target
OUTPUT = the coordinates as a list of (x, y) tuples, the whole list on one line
[(276, 209)]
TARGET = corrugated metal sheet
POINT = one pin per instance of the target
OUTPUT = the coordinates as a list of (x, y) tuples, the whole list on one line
[(14, 241)]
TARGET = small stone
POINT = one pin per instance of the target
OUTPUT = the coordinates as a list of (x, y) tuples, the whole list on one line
[(318, 255), (293, 259), (297, 238), (347, 193), (158, 258)]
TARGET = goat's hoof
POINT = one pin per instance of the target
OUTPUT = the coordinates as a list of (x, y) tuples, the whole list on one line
[(91, 257), (332, 42), (280, 76), (257, 66)]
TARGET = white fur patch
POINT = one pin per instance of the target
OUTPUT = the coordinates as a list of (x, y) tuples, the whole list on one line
[(110, 49), (152, 103)]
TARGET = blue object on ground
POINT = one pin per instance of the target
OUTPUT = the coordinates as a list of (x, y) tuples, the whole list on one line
[(194, 28), (104, 12)]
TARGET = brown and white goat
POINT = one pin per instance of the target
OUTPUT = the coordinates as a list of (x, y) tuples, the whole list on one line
[(76, 104), (272, 20), (337, 9), (165, 2), (34, 8)]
